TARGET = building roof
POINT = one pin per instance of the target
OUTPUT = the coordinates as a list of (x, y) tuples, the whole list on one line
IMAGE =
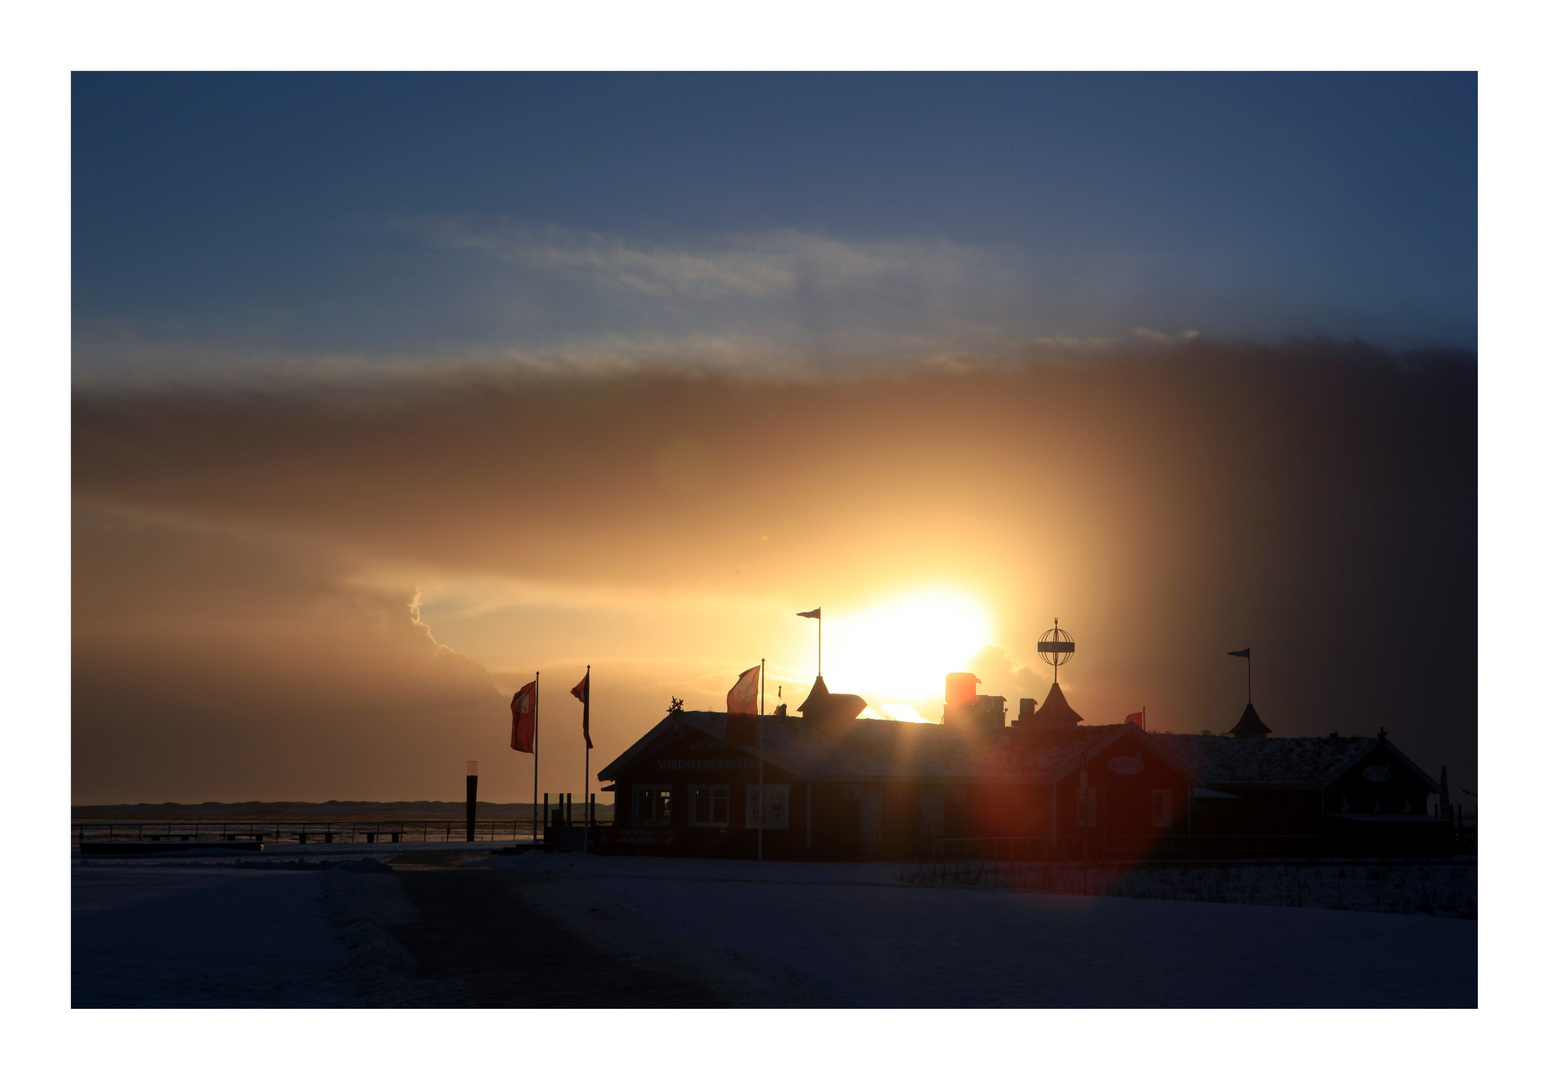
[(868, 749), (1055, 711), (1218, 759), (875, 749), (1249, 726), (822, 705)]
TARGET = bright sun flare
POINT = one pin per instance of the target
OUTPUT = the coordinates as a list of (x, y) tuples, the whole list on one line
[(904, 648)]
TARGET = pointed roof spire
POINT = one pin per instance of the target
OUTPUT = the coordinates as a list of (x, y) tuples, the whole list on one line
[(821, 705), (1250, 726), (1056, 711)]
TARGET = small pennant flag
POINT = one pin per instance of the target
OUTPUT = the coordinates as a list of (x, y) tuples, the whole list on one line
[(815, 613), (1136, 718), (741, 710), (524, 718), (583, 693), (1242, 653)]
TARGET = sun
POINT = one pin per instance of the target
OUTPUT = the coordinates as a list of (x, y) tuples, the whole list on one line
[(902, 649)]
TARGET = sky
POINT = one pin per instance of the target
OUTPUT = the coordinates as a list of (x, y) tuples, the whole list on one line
[(390, 391)]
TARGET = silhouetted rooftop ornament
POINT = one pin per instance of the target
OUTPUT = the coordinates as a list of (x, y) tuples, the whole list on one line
[(1056, 647), (823, 706), (1250, 726), (1056, 711)]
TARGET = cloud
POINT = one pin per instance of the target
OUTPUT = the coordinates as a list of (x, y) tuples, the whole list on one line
[(206, 664), (1167, 501), (779, 264)]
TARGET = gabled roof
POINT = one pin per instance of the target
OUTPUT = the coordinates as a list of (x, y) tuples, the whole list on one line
[(878, 749), (1219, 759)]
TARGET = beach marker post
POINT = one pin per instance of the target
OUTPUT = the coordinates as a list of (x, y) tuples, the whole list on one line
[(473, 795)]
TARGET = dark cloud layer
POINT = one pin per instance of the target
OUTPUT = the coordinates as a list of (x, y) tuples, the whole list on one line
[(1315, 501)]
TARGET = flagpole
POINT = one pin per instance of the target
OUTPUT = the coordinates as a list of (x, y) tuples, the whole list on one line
[(535, 677), (586, 795), (762, 794)]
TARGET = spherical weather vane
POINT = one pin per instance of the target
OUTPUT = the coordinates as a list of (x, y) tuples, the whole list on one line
[(1056, 647)]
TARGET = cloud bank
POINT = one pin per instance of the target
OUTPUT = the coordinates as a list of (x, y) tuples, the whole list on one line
[(246, 560)]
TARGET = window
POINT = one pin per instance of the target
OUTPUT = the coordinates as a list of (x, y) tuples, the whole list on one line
[(1086, 807), (653, 805), (771, 804), (1162, 809), (711, 805)]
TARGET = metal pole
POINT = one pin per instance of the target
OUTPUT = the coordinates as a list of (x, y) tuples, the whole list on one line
[(762, 794), (586, 794), (535, 676), (820, 642)]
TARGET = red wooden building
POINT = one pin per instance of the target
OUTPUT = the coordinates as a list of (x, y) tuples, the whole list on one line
[(838, 787)]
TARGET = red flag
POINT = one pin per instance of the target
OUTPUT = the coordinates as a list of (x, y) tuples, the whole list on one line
[(583, 693), (524, 717), (1136, 718), (742, 710)]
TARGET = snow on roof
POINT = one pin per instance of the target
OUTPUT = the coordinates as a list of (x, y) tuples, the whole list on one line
[(879, 748), (1218, 759), (874, 748)]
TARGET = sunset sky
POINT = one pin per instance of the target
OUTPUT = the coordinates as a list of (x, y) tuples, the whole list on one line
[(389, 391)]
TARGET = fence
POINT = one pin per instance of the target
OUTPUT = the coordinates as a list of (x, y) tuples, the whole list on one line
[(989, 858), (303, 832)]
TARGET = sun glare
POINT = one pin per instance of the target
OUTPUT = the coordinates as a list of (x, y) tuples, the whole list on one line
[(904, 648)]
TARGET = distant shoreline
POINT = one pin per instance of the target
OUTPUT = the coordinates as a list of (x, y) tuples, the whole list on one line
[(333, 810)]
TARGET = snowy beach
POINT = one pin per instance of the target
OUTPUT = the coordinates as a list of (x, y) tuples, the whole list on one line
[(456, 927)]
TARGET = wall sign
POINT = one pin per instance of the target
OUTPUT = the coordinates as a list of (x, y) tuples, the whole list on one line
[(1127, 766), (772, 802), (1376, 773)]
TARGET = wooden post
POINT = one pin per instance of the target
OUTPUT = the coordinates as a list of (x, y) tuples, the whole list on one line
[(473, 796)]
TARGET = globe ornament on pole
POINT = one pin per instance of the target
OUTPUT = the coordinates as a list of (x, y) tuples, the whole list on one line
[(1056, 647)]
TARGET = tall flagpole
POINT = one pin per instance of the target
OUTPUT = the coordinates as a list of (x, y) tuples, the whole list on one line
[(820, 643), (535, 676), (763, 796), (586, 795)]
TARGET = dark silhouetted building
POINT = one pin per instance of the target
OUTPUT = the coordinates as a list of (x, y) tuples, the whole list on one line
[(837, 786)]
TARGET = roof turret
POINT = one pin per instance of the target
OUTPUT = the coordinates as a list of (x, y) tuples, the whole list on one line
[(1250, 726)]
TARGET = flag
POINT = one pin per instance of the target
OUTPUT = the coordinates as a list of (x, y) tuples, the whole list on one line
[(524, 717), (1242, 653), (815, 613), (1136, 718), (742, 711), (583, 693)]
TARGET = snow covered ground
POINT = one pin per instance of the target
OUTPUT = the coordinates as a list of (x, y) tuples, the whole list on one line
[(252, 932), (222, 932), (853, 935)]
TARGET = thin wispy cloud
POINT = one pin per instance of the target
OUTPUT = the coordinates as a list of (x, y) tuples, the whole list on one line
[(779, 264)]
